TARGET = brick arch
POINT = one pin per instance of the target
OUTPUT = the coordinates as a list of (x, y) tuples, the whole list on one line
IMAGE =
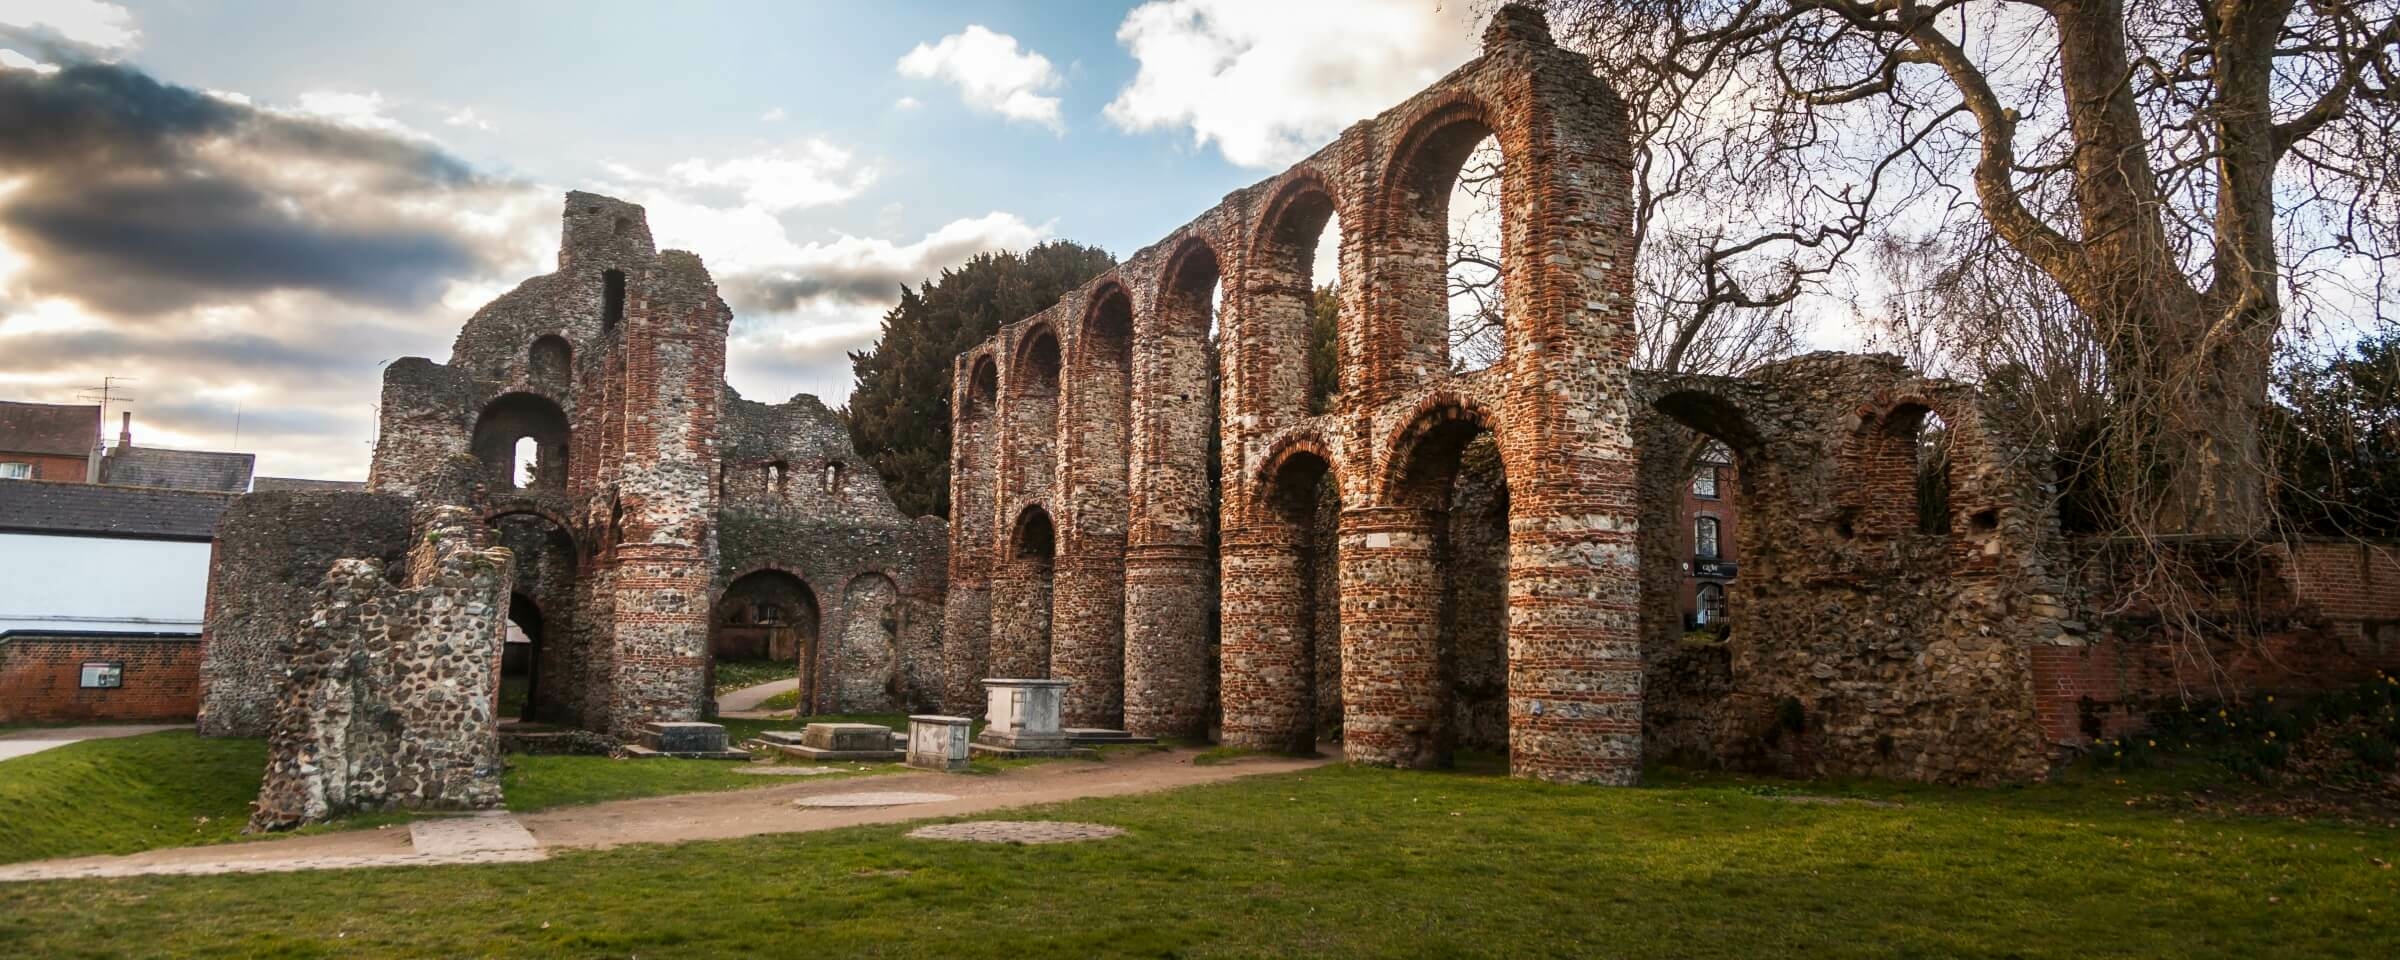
[(518, 506), (1412, 230), (717, 592), (983, 384), (1714, 414), (1272, 308), (1079, 356), (1432, 415), (1024, 362), (1020, 526)]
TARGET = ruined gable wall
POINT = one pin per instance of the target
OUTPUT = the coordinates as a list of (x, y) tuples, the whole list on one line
[(272, 549), (390, 700)]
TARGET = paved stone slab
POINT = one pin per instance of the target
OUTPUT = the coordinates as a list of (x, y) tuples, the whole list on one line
[(872, 799), (1017, 831), (98, 871), (23, 742), (483, 832)]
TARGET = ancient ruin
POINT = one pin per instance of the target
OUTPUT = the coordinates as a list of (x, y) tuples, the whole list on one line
[(1147, 507), (653, 520), (1165, 525)]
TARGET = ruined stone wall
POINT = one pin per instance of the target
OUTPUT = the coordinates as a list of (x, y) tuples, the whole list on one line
[(393, 687), (1868, 638), (1556, 405), (797, 498), (272, 549)]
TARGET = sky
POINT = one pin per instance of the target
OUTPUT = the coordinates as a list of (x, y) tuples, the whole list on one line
[(244, 210)]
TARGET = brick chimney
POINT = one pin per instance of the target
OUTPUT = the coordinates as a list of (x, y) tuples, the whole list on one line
[(125, 432)]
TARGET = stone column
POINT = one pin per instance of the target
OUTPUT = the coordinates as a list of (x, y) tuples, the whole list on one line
[(1168, 595), (1267, 673), (1087, 630), (1392, 690), (1020, 639)]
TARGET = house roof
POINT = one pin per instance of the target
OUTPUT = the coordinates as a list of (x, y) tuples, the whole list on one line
[(264, 484), (131, 466), (86, 509), (51, 429)]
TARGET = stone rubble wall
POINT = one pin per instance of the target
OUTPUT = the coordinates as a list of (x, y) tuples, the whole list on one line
[(1862, 643), (272, 550), (390, 699)]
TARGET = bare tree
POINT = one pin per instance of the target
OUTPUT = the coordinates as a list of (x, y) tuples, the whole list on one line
[(2168, 168)]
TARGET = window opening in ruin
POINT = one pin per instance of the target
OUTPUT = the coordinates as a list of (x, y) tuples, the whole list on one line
[(775, 472), (1984, 521), (1294, 305), (1477, 334), (527, 463), (1036, 538), (612, 299), (618, 229), (833, 476), (1704, 538), (521, 440), (1933, 475)]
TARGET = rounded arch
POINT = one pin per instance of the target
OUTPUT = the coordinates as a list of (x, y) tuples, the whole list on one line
[(768, 613), (1428, 442), (1187, 284), (1032, 535), (1035, 367), (1712, 414), (1426, 157), (864, 665), (983, 385), (1104, 332), (1447, 305), (1277, 315), (514, 416)]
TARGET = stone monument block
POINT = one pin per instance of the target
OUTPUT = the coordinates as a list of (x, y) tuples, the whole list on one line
[(938, 742)]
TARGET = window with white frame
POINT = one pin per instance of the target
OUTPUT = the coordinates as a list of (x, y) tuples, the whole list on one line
[(1704, 538), (13, 470)]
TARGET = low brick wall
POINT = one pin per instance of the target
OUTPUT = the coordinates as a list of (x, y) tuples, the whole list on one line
[(2318, 615), (41, 679)]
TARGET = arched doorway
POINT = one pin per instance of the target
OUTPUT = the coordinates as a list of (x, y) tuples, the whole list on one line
[(519, 658), (1282, 654), (542, 669), (768, 616), (1450, 491)]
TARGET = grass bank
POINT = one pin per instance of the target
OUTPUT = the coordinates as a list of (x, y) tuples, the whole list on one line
[(175, 789), (1351, 862)]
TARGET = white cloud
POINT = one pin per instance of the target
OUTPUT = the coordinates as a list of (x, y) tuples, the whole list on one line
[(1269, 82), (358, 111), (12, 60), (102, 27), (907, 103), (773, 115), (990, 74), (805, 173), (467, 117)]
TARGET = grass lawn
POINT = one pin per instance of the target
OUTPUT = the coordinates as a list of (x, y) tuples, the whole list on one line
[(174, 789), (1344, 861)]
